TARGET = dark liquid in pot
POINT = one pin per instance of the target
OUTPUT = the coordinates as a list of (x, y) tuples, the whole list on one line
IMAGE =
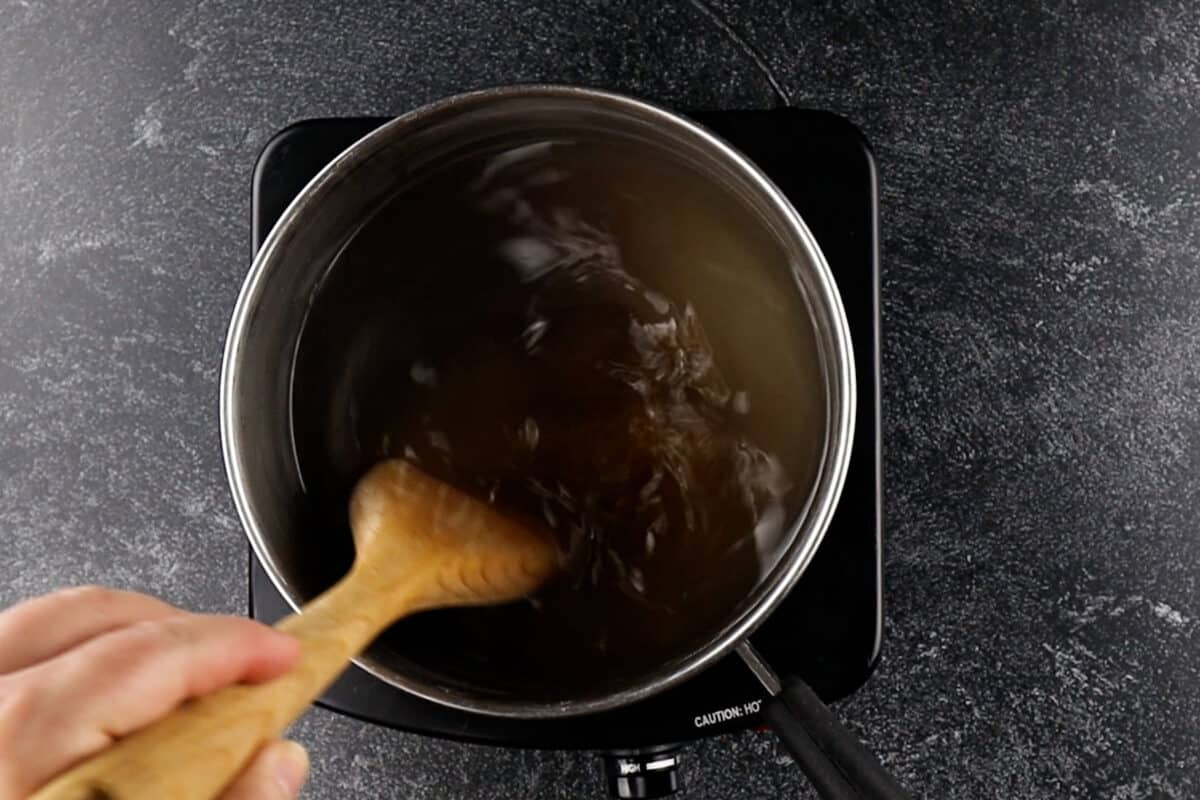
[(598, 338)]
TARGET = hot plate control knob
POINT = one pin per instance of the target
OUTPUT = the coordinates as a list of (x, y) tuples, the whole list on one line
[(642, 774)]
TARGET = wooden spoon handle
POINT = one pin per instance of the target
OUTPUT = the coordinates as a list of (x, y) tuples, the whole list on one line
[(197, 750)]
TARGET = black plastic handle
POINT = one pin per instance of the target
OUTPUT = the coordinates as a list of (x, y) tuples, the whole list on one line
[(838, 764)]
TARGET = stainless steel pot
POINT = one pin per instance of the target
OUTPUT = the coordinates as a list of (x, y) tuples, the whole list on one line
[(270, 310), (267, 322)]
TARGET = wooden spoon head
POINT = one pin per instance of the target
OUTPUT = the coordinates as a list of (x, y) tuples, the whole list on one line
[(432, 545)]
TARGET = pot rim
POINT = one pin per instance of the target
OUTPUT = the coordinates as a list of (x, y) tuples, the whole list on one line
[(837, 362)]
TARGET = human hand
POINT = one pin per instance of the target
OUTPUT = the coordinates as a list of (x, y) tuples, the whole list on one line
[(81, 668)]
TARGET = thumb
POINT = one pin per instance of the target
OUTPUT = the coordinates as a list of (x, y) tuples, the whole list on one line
[(276, 773)]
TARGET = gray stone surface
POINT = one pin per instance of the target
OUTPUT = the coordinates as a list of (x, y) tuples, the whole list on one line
[(1042, 340)]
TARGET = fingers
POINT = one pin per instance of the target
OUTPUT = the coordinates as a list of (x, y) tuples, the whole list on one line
[(39, 629), (78, 703), (276, 773)]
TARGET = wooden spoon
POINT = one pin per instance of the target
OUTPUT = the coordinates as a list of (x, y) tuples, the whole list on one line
[(420, 544)]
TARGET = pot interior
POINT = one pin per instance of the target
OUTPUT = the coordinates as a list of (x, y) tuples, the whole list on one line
[(380, 282)]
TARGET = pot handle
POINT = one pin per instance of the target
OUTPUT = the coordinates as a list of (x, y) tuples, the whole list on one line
[(839, 766)]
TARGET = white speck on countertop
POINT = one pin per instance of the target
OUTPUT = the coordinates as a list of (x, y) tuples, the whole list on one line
[(148, 129), (1165, 612)]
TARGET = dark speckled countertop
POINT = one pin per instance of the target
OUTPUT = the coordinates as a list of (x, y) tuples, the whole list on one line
[(1041, 299)]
